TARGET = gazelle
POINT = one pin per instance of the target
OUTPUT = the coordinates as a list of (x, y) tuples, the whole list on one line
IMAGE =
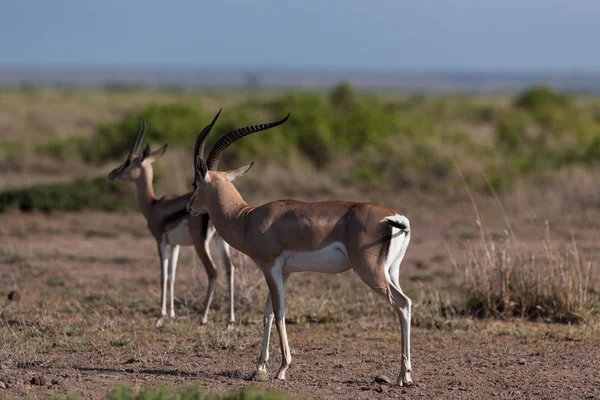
[(171, 225), (289, 236)]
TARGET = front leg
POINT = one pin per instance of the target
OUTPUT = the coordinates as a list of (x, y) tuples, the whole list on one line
[(164, 262), (230, 268), (276, 283), (261, 366)]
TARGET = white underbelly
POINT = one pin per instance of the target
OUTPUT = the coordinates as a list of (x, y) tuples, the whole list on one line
[(332, 259), (180, 235)]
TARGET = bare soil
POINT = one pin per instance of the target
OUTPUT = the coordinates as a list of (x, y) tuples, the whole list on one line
[(89, 297)]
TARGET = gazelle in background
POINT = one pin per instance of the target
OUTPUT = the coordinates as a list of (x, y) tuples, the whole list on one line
[(289, 236), (172, 226)]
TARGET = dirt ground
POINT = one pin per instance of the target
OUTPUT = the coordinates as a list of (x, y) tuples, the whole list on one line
[(89, 298)]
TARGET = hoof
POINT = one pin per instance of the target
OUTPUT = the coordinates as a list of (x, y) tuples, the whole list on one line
[(281, 374), (230, 326), (405, 382), (160, 322), (260, 376)]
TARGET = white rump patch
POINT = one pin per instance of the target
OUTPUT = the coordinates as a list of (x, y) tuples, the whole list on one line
[(397, 249), (332, 259), (180, 235)]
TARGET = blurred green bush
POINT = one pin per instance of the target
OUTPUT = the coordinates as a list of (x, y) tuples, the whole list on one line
[(90, 194), (411, 141)]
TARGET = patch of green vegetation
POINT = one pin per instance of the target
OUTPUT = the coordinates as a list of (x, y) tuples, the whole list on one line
[(177, 124), (183, 393), (85, 193), (403, 141)]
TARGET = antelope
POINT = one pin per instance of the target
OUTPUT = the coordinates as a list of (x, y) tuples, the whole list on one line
[(287, 236), (172, 226)]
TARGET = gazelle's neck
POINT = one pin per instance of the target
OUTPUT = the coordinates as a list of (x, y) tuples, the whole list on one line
[(229, 214), (145, 191)]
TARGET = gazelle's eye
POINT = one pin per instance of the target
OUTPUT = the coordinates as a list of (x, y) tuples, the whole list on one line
[(194, 186)]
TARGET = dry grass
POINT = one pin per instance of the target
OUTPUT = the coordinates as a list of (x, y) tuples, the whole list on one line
[(505, 277), (508, 279)]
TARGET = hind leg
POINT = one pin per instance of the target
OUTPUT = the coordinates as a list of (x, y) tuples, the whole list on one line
[(384, 279), (402, 304)]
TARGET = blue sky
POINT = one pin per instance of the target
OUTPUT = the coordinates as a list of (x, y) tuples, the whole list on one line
[(469, 35)]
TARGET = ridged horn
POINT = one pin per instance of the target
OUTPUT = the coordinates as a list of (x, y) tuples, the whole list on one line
[(212, 162)]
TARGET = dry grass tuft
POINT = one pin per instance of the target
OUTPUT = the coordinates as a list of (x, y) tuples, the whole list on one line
[(508, 279)]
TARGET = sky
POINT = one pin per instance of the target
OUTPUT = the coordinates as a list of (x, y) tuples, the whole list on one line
[(417, 35)]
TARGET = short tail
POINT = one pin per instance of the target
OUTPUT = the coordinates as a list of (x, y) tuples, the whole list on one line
[(398, 221)]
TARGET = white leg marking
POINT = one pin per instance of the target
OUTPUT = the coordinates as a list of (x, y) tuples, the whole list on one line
[(172, 273), (230, 268), (164, 261)]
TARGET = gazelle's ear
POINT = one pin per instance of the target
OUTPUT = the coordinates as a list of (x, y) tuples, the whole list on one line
[(156, 154), (236, 173)]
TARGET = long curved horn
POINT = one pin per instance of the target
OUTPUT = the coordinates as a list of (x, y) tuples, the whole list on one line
[(226, 140), (201, 140), (199, 148), (138, 137)]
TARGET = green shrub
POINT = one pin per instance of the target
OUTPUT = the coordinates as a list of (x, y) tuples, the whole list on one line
[(538, 99), (173, 123), (72, 147), (90, 194), (192, 393)]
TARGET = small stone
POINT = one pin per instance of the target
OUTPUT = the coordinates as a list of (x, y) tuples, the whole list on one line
[(55, 381), (522, 361), (2, 385), (14, 296), (384, 388), (38, 380), (383, 379)]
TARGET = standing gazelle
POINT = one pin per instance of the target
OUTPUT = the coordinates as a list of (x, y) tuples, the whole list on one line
[(288, 236), (171, 225)]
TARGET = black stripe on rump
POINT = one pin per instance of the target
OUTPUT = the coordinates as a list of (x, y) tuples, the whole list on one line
[(385, 241), (400, 225)]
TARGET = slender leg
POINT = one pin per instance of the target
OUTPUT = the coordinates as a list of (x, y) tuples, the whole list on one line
[(225, 253), (403, 306), (261, 368), (164, 262), (172, 272), (275, 281), (202, 249)]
